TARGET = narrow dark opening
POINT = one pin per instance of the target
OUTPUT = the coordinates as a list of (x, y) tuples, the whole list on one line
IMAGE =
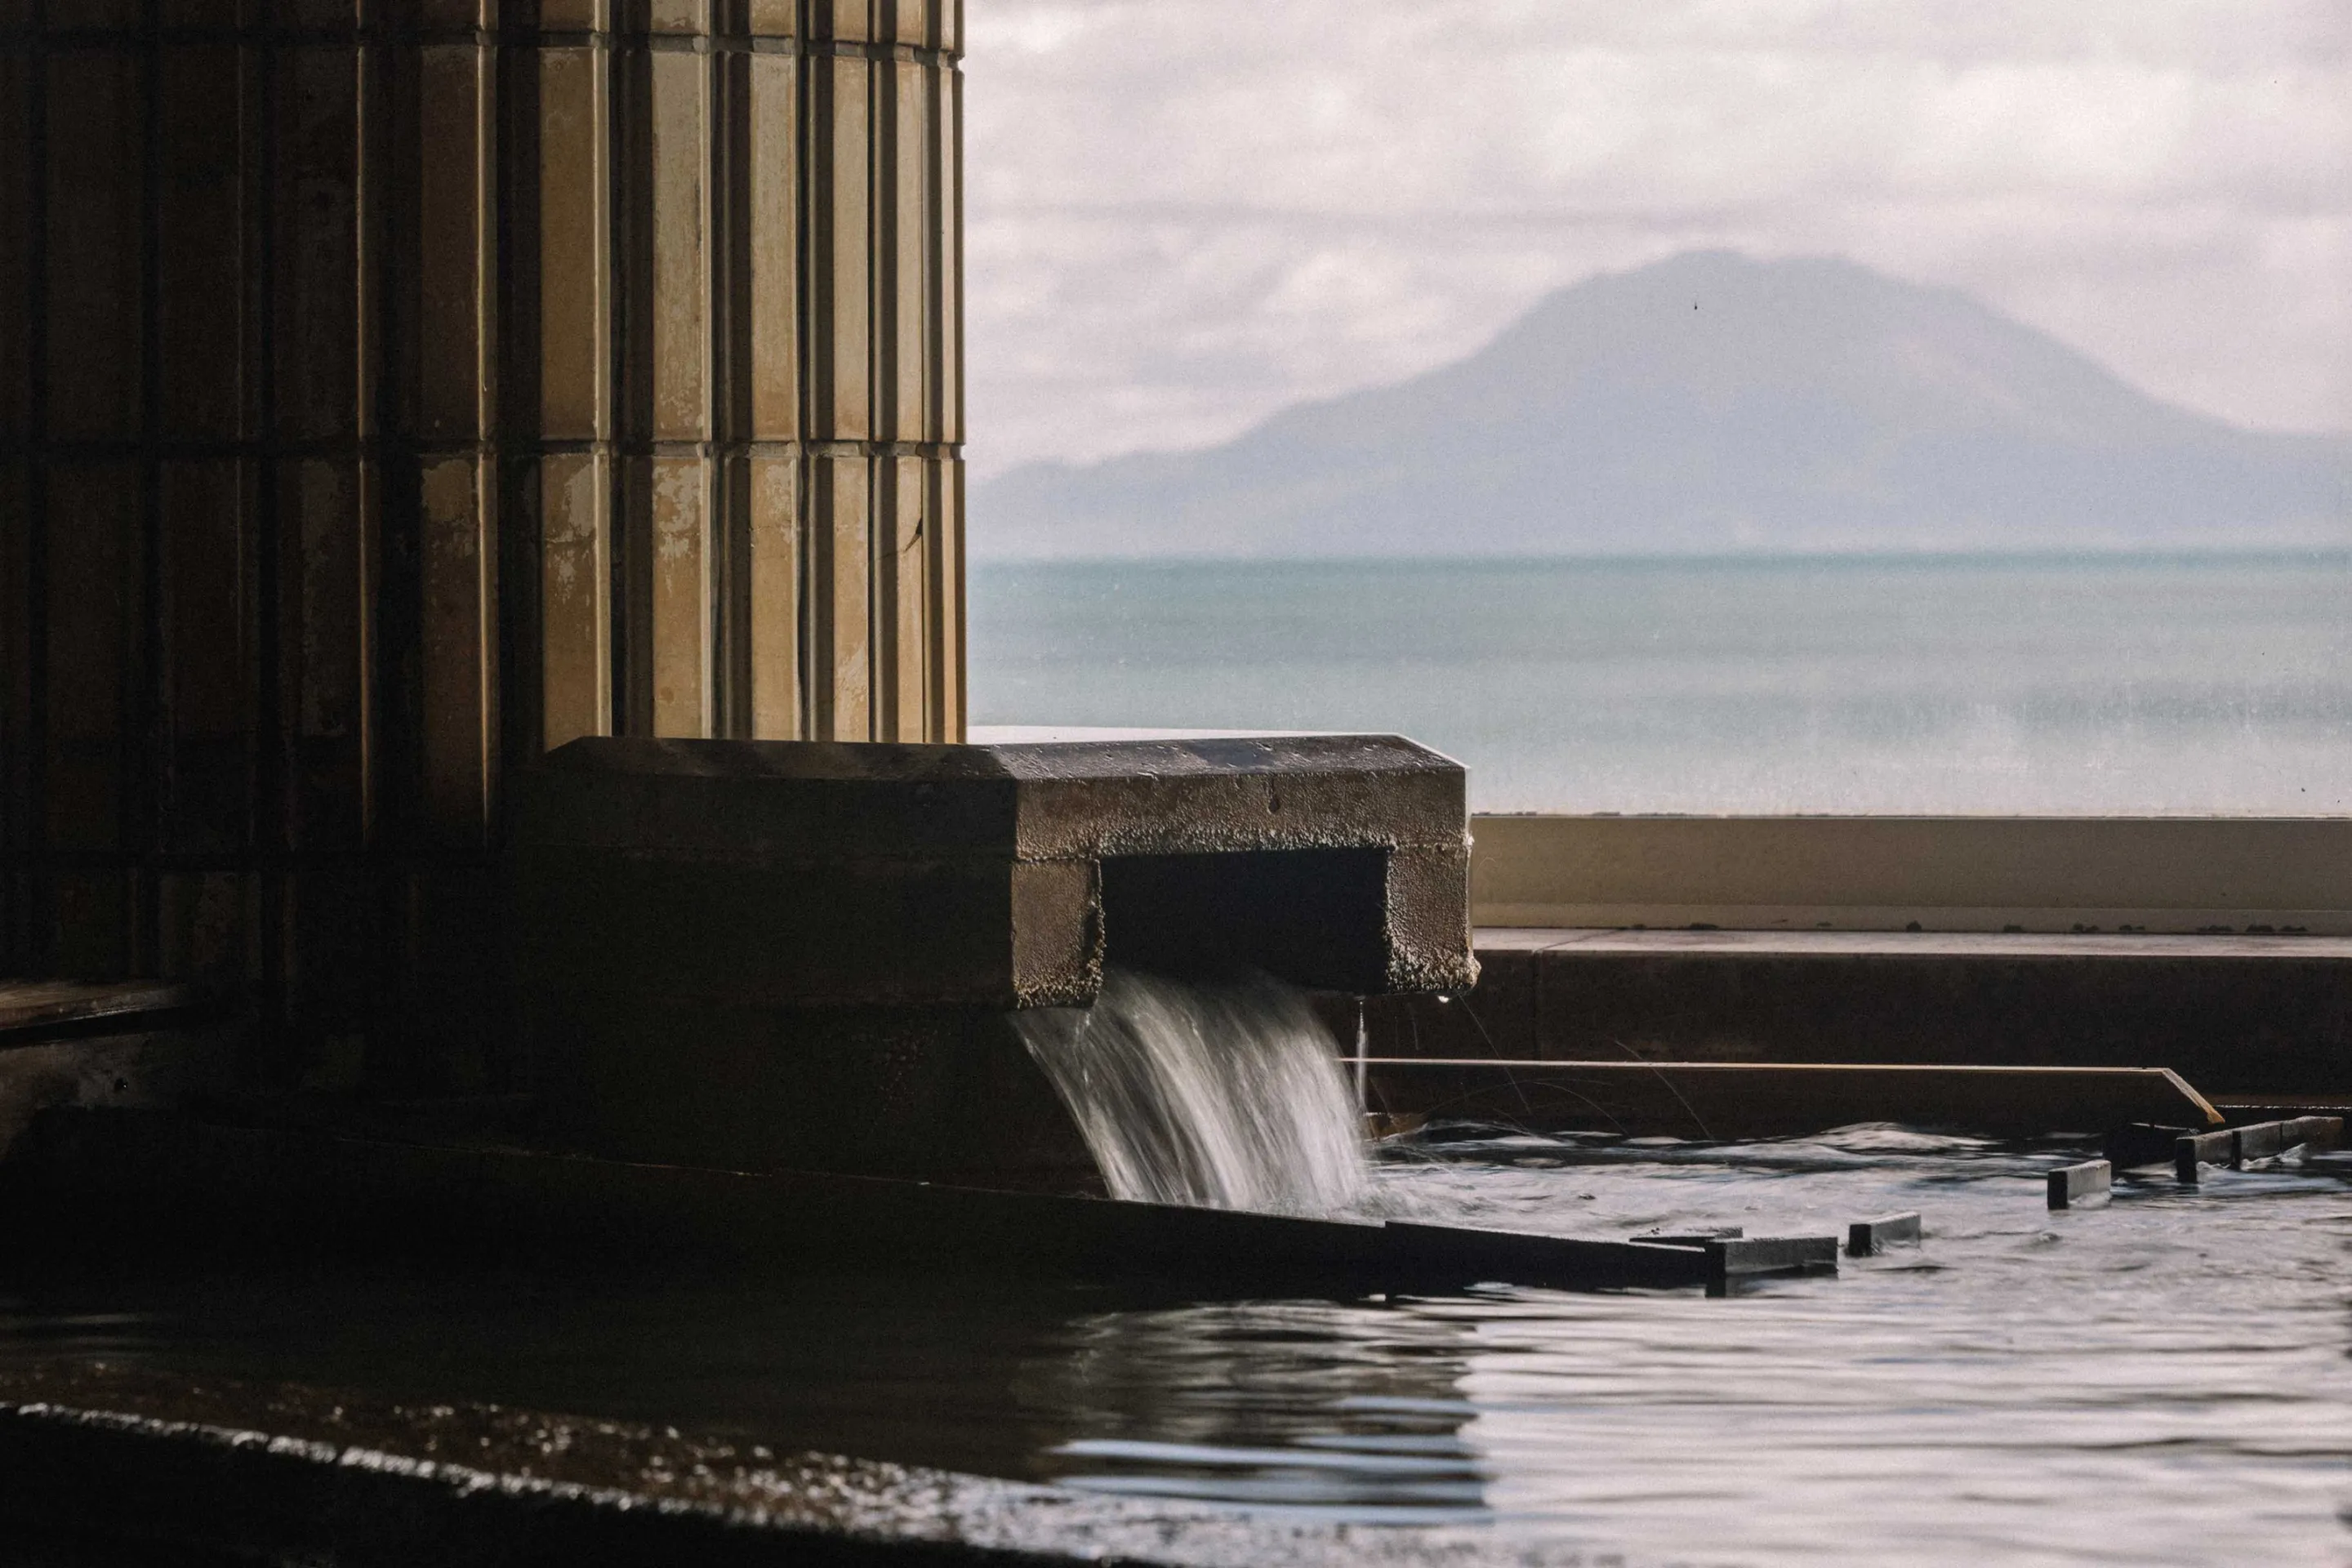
[(1316, 918)]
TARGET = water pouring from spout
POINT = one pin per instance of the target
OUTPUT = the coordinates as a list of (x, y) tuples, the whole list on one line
[(1210, 1095)]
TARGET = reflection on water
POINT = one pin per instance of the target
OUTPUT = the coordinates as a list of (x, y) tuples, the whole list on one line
[(2161, 1379), (1292, 1403)]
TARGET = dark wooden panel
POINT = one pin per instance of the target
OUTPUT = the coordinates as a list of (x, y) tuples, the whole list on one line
[(207, 648), (22, 927), (316, 206), (323, 650), (200, 295), (205, 921), (97, 156), (20, 743), (93, 935), (16, 219), (91, 586), (91, 16)]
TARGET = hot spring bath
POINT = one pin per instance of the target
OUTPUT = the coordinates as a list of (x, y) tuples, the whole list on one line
[(2161, 1381)]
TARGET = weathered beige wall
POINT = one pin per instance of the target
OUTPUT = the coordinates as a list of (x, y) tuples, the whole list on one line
[(388, 391)]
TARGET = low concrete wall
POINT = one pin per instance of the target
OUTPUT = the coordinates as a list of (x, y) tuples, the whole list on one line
[(2233, 1015), (2178, 875)]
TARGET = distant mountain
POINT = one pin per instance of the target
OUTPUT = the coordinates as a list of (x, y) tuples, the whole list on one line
[(1708, 401)]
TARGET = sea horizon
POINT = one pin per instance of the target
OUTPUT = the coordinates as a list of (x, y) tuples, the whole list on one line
[(2147, 682)]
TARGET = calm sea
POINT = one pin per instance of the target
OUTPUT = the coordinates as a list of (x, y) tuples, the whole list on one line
[(1950, 684)]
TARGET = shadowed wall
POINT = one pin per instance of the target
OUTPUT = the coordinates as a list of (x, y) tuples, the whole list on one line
[(389, 394)]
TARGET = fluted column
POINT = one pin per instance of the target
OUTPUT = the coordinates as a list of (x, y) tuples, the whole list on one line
[(389, 393)]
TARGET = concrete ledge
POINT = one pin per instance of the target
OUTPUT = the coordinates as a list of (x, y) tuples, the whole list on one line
[(2182, 876), (2236, 1016), (49, 1008), (119, 1183), (799, 874), (111, 1465)]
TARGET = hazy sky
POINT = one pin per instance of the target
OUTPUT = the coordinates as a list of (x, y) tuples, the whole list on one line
[(1183, 213)]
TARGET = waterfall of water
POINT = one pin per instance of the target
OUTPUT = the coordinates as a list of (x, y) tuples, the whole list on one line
[(1219, 1095)]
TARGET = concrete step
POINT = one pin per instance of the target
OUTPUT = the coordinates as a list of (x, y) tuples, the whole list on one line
[(2237, 1016), (82, 1183)]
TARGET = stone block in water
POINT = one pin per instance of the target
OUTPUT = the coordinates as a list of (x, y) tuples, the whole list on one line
[(2072, 1184), (1869, 1237)]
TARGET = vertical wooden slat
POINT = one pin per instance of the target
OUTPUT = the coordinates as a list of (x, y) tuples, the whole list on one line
[(575, 15), (17, 738), (575, 577), (449, 237), (947, 589), (456, 489), (947, 268), (775, 598), (323, 582), (682, 498), (775, 248), (677, 16), (208, 653), (201, 229), (903, 593), (15, 245), (91, 16), (220, 15), (450, 13), (93, 574), (681, 597), (575, 348), (316, 333), (841, 599), (457, 636), (681, 259), (913, 294), (96, 345), (574, 245), (374, 178), (202, 922), (91, 938), (853, 20), (840, 250), (330, 16)]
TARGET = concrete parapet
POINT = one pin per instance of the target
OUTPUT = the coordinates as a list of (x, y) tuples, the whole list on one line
[(2233, 1014), (987, 875)]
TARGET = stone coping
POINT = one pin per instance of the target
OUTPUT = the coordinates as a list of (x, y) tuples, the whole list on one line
[(134, 1456)]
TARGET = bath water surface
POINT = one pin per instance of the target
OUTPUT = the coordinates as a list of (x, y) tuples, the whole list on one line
[(2163, 1380)]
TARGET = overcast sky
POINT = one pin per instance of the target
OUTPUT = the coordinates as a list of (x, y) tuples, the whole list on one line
[(1184, 214)]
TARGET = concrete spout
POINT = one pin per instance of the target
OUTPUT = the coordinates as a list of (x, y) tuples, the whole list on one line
[(805, 952)]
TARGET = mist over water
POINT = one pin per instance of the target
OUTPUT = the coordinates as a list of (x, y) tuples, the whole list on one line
[(1214, 1095), (2034, 685)]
